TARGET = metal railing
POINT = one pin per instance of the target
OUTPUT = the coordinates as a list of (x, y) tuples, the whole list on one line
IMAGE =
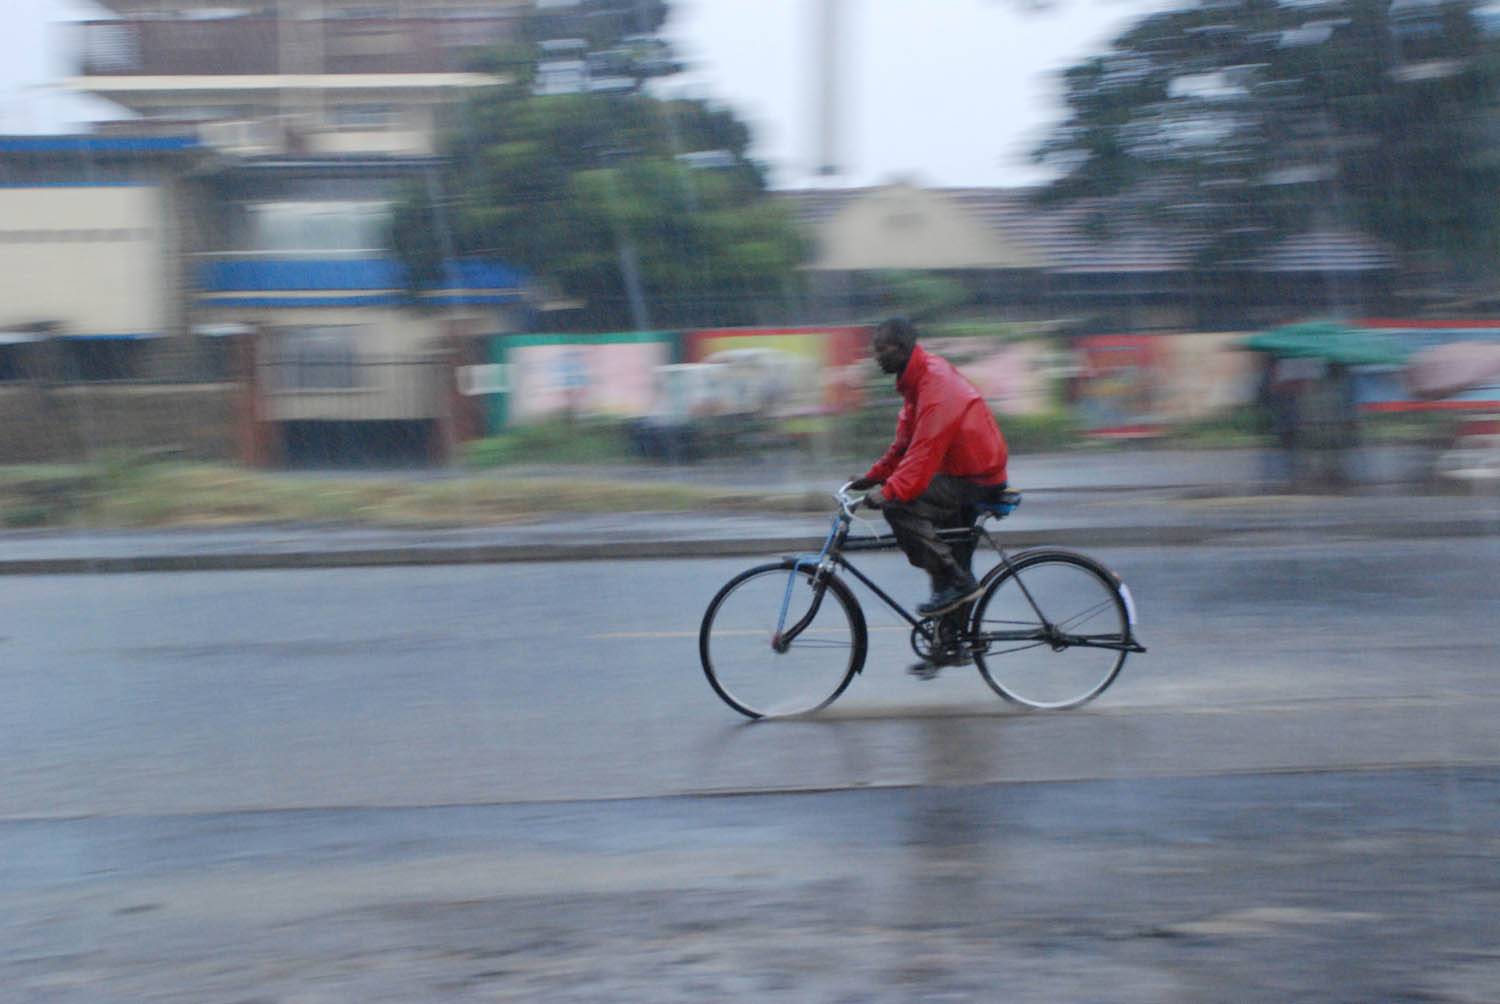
[(256, 46), (355, 389)]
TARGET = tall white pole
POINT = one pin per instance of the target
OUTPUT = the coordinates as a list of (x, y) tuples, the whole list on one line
[(829, 50)]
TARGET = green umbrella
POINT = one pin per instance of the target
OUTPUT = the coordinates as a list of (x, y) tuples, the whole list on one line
[(1337, 343)]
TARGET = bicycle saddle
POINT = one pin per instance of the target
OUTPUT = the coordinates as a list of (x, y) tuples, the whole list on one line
[(1003, 504)]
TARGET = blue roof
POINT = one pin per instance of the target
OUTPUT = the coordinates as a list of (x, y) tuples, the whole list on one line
[(352, 282), (97, 144)]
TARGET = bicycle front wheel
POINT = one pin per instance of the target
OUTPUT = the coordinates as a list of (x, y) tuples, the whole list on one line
[(773, 643), (1052, 631)]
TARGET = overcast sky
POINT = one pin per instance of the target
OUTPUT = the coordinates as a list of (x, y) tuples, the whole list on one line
[(944, 92)]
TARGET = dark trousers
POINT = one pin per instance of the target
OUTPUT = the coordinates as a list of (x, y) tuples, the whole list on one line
[(947, 503)]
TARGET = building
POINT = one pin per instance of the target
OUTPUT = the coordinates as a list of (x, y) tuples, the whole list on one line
[(245, 189), (315, 117), (94, 232), (1022, 261), (292, 77), (95, 281)]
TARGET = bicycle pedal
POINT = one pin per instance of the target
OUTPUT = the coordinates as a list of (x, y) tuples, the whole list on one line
[(924, 670), (960, 656)]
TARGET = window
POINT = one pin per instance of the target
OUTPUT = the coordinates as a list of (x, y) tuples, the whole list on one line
[(111, 48), (319, 226), (316, 358), (84, 359), (366, 117), (199, 113), (364, 11), (561, 77)]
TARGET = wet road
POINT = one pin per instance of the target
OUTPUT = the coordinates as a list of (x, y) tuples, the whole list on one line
[(389, 687), (331, 785), (1375, 886)]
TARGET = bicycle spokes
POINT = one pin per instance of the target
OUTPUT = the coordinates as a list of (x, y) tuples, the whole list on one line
[(1052, 631), (816, 641), (1051, 628)]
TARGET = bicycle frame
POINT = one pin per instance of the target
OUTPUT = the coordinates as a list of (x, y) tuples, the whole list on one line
[(833, 556)]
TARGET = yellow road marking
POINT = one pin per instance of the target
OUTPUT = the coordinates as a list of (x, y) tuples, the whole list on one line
[(619, 635), (643, 634)]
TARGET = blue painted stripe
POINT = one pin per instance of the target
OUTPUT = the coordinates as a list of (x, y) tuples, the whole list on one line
[(356, 300), (471, 298), (379, 300), (123, 336), (258, 275), (97, 144), (85, 184)]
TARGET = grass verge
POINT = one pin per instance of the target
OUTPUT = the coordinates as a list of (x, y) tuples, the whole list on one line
[(113, 494)]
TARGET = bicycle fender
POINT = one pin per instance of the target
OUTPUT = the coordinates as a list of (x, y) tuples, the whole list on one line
[(1022, 557), (1019, 557)]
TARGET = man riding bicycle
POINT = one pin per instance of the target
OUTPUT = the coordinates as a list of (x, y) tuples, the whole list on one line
[(947, 456)]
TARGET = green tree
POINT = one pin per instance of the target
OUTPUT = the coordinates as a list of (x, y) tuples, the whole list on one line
[(641, 209), (1241, 123)]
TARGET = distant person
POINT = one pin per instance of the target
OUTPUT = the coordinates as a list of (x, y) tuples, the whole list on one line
[(1282, 395), (947, 456)]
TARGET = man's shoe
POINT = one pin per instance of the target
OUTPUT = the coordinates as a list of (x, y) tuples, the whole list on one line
[(958, 656), (950, 596), (924, 670)]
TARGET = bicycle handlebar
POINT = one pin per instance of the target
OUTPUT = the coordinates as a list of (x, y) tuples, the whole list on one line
[(848, 501)]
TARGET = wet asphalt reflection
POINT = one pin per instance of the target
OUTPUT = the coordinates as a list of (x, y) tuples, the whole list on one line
[(1327, 886), (477, 783)]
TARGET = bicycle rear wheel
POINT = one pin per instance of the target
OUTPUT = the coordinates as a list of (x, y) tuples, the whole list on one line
[(759, 677), (1052, 631)]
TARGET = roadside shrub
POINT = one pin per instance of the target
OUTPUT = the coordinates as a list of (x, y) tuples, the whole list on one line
[(1241, 426), (1430, 428), (41, 496), (584, 441), (1039, 432), (865, 433), (20, 517)]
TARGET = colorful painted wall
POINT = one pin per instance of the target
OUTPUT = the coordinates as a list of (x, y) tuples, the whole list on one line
[(1385, 389), (534, 377), (1015, 377), (1135, 384), (1139, 384), (835, 356), (1115, 390), (529, 377), (1201, 374)]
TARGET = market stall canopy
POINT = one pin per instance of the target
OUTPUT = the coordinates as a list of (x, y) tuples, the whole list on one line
[(1328, 340), (1452, 368)]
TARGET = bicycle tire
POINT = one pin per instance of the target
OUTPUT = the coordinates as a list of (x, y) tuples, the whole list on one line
[(741, 624), (1082, 599)]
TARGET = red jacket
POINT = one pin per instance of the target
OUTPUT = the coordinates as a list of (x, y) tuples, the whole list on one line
[(944, 428)]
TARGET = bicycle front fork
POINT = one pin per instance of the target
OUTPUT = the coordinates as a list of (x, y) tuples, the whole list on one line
[(784, 636)]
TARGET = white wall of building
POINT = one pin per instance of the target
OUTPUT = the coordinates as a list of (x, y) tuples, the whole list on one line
[(89, 257)]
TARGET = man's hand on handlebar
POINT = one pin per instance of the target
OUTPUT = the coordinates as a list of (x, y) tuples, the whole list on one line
[(861, 491), (872, 496)]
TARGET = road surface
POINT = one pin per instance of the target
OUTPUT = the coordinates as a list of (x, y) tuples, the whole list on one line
[(511, 783)]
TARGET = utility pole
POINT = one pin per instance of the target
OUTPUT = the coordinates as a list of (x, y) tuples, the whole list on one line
[(629, 263), (829, 48)]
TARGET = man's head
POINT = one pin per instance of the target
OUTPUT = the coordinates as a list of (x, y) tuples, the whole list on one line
[(894, 340)]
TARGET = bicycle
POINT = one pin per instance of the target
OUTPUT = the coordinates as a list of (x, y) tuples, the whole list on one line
[(1050, 629)]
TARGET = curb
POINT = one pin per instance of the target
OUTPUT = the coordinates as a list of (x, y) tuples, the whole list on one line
[(643, 549)]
